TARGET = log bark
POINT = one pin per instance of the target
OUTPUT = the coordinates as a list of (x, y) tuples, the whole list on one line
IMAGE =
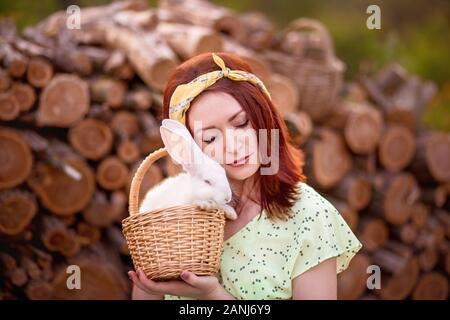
[(125, 124), (436, 195), (148, 53), (284, 93), (430, 160), (355, 189), (189, 40), (394, 196), (5, 80), (361, 124), (419, 214), (102, 212), (400, 285), (110, 91), (38, 290), (300, 126), (52, 25), (432, 235), (259, 65), (401, 96), (88, 234), (56, 237), (139, 98), (13, 61), (205, 13), (143, 20), (443, 217), (428, 259), (118, 66)]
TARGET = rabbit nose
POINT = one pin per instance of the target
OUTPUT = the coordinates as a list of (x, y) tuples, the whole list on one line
[(228, 199)]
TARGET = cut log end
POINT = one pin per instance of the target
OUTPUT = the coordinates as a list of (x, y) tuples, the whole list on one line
[(112, 174), (400, 285), (374, 234), (39, 72), (299, 125), (9, 107), (397, 147), (16, 159), (17, 209), (63, 102), (60, 193), (400, 199), (24, 94), (91, 138), (330, 159), (431, 286)]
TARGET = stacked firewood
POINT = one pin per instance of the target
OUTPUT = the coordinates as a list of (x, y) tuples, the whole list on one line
[(81, 108)]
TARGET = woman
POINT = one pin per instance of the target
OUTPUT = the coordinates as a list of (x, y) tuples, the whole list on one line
[(300, 242)]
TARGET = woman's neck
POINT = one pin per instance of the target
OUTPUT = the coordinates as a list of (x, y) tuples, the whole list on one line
[(245, 192)]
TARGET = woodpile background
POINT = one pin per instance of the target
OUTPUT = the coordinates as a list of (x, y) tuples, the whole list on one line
[(80, 109)]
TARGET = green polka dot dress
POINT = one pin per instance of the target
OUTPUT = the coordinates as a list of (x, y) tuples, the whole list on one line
[(261, 260)]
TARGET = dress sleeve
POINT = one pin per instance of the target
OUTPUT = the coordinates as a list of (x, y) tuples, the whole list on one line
[(322, 233)]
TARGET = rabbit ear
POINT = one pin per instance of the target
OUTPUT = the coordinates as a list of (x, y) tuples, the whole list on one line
[(180, 144)]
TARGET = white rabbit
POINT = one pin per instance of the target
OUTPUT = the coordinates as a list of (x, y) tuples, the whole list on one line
[(204, 183)]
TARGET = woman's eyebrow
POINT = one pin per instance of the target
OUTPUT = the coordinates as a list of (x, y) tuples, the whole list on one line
[(229, 120)]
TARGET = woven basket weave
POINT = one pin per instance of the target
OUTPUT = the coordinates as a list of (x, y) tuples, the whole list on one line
[(318, 79), (166, 241)]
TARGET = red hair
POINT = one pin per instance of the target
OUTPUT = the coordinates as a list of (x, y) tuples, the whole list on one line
[(278, 191)]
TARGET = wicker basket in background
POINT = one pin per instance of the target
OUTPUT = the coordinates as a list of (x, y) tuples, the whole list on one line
[(166, 241), (309, 59)]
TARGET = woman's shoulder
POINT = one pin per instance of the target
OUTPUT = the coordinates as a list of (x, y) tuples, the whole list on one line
[(323, 232), (310, 200)]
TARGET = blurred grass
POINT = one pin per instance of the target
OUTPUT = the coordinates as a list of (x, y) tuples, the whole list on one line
[(415, 34)]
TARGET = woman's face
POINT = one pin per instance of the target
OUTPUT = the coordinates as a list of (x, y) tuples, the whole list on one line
[(223, 131)]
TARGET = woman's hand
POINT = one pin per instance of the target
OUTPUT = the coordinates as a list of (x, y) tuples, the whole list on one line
[(191, 285)]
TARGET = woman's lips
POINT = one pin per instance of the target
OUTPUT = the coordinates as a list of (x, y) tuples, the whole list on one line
[(239, 162)]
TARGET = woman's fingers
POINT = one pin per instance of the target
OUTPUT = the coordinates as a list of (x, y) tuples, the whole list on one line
[(168, 287), (191, 284), (134, 277), (190, 278)]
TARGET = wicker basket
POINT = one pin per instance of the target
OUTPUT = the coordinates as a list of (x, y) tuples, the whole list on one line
[(164, 242), (318, 75)]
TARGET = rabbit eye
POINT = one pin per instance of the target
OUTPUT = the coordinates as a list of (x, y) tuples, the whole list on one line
[(208, 182)]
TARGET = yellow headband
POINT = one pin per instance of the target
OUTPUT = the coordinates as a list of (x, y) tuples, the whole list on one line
[(185, 93)]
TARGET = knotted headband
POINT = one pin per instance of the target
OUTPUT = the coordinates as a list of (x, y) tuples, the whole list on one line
[(185, 93)]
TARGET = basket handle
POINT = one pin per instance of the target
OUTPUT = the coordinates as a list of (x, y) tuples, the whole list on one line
[(306, 23), (133, 203)]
